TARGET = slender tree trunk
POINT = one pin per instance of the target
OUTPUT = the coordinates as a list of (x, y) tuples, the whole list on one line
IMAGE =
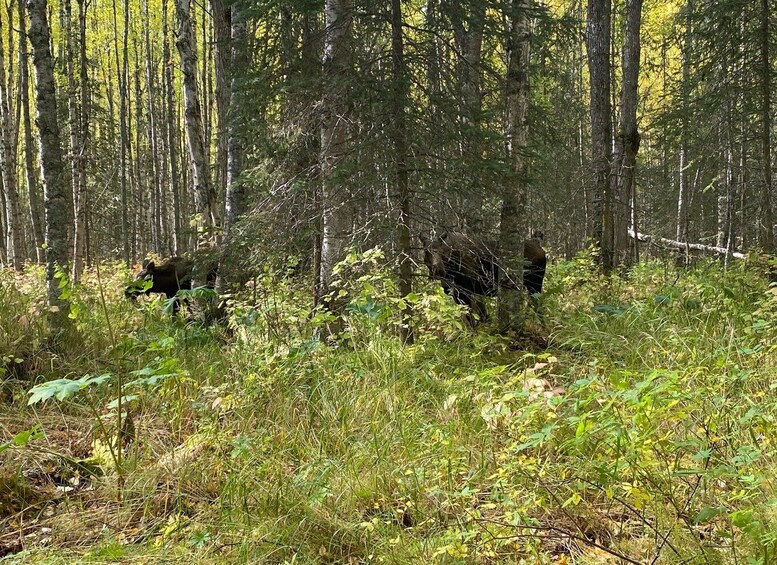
[(627, 142), (598, 43), (143, 205), (471, 45), (156, 156), (311, 69), (77, 175), (8, 152), (34, 197), (222, 30), (82, 203), (683, 196), (334, 141), (57, 204), (512, 224), (205, 196), (236, 204), (766, 216), (122, 81), (172, 137), (400, 93)]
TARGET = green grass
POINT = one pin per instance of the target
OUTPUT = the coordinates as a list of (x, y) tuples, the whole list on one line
[(645, 429)]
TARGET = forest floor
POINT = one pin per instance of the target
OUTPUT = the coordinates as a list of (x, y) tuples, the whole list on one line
[(633, 420)]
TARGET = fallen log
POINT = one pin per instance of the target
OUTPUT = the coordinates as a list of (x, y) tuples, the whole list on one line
[(684, 245)]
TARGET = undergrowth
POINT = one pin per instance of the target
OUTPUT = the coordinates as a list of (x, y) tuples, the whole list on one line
[(644, 432)]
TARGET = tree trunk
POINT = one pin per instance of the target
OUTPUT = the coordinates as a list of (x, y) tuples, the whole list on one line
[(8, 152), (77, 174), (204, 195), (56, 201), (122, 81), (598, 43), (682, 193), (335, 194), (400, 93), (155, 154), (312, 46), (471, 45), (512, 225), (82, 203), (222, 30), (34, 197), (627, 142), (235, 190), (766, 216), (171, 130)]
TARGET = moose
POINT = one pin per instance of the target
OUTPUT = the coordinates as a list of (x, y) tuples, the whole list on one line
[(469, 268), (167, 278)]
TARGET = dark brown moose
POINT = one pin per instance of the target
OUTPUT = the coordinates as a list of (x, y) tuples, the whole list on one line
[(468, 268), (167, 278)]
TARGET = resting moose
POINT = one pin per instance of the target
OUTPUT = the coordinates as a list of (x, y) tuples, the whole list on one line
[(469, 268), (167, 278)]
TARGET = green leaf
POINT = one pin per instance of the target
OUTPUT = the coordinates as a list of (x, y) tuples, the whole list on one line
[(608, 309), (124, 401), (64, 388), (61, 388), (707, 514), (742, 518), (22, 438)]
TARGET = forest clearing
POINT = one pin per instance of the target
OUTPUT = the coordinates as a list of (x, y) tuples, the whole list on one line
[(414, 281)]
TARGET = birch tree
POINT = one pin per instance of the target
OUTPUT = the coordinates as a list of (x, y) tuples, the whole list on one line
[(34, 196), (57, 206), (336, 201), (8, 153), (204, 194)]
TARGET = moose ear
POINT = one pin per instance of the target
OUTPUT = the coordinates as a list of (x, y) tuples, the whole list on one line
[(150, 266)]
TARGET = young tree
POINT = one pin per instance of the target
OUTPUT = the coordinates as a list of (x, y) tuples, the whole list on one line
[(685, 86), (77, 146), (400, 90)]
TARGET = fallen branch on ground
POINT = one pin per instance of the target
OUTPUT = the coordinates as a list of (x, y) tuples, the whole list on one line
[(684, 245)]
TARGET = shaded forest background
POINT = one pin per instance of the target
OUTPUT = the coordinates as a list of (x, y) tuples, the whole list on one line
[(256, 76)]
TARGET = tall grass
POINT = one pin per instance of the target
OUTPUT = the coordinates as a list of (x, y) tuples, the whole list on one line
[(644, 431)]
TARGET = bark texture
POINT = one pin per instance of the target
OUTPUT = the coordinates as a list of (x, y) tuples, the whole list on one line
[(336, 200), (512, 224), (57, 205), (597, 40)]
